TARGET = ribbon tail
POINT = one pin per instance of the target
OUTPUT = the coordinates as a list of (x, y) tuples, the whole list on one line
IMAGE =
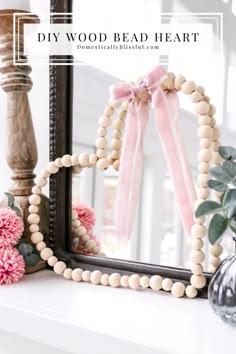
[(130, 171), (173, 148)]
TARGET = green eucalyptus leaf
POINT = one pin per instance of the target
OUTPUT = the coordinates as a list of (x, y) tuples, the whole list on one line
[(10, 199), (216, 185), (217, 227), (221, 174), (229, 202), (32, 260), (207, 207), (232, 225), (17, 210), (25, 249), (227, 152)]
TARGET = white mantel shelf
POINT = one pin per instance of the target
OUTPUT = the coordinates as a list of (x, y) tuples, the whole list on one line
[(68, 317)]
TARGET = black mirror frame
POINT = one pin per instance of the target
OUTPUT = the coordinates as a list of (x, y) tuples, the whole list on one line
[(61, 108)]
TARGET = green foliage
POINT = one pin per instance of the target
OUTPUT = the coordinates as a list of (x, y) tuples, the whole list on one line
[(11, 203), (224, 212), (29, 252)]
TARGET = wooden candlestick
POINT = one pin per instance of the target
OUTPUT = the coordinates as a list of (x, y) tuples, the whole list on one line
[(21, 148)]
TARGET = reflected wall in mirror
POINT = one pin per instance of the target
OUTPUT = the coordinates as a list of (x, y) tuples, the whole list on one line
[(157, 234)]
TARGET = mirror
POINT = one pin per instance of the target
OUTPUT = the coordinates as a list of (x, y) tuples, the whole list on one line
[(157, 234)]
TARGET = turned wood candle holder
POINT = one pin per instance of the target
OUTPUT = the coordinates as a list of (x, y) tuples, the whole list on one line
[(21, 147)]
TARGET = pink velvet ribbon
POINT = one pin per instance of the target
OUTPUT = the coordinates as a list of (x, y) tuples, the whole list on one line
[(166, 109)]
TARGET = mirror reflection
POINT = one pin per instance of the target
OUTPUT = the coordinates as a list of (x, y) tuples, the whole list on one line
[(157, 233)]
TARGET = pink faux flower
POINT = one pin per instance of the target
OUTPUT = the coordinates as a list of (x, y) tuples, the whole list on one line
[(11, 227), (12, 265), (86, 216)]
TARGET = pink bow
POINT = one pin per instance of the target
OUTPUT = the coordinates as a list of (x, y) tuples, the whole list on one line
[(131, 161)]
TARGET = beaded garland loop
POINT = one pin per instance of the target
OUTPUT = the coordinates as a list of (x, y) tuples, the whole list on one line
[(208, 135)]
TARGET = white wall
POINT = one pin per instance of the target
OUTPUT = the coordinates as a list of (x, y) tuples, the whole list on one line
[(39, 101)]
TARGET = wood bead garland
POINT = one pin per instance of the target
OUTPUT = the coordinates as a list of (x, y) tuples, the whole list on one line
[(209, 145)]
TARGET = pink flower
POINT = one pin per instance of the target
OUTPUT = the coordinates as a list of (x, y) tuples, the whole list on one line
[(12, 265), (86, 216), (11, 227), (93, 237)]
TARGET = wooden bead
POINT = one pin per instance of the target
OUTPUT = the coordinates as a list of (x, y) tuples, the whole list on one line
[(212, 110), (76, 223), (108, 111), (212, 122), (36, 190), (95, 250), (198, 231), (215, 134), (52, 168), (118, 124), (197, 256), (200, 220), (67, 273), (86, 275), (197, 269), (33, 209), (125, 106), (211, 269), (101, 143), (122, 114), (117, 134), (83, 159), (58, 162), (102, 131), (198, 281), (202, 179), (44, 173), (204, 131), (218, 194), (114, 104), (101, 153), (178, 289), (195, 96), (197, 243), (178, 81), (74, 215), (110, 160), (204, 120), (104, 121), (216, 250), (34, 199), (37, 237), (155, 282), (115, 155), (102, 164), (105, 279), (33, 219), (203, 193), (205, 143), (85, 238), (77, 274), (216, 158), (116, 165), (80, 231), (169, 82), (40, 246), (52, 261), (124, 281), (204, 155), (59, 267), (201, 107), (205, 98), (167, 284), (66, 161), (76, 170), (90, 244), (188, 87), (200, 89), (134, 281), (46, 253), (114, 280), (95, 277), (215, 261), (40, 181), (75, 159), (215, 145), (203, 167), (116, 144), (144, 282), (93, 159), (190, 292)]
